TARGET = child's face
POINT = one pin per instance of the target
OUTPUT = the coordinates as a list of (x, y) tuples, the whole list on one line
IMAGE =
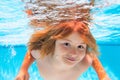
[(70, 50)]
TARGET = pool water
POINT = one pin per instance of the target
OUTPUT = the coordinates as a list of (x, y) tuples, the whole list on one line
[(11, 58), (15, 33)]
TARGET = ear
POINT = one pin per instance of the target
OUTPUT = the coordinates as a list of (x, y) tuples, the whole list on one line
[(36, 54)]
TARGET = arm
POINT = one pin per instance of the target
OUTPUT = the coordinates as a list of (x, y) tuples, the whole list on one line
[(28, 60), (23, 73), (99, 69)]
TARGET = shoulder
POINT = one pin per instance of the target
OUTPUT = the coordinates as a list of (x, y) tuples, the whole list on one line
[(35, 54)]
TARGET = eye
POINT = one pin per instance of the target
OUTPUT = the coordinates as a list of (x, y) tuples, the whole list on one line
[(66, 44), (81, 47)]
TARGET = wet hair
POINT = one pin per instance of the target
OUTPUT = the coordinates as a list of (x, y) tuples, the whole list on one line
[(54, 11), (44, 40)]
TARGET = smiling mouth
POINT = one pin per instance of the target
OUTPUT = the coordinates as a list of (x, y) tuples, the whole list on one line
[(70, 59)]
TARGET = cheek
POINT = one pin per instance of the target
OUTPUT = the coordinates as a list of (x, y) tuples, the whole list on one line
[(81, 54)]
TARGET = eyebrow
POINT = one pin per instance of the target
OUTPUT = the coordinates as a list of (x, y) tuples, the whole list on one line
[(71, 41)]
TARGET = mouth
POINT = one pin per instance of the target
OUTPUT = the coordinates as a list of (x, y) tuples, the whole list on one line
[(70, 60)]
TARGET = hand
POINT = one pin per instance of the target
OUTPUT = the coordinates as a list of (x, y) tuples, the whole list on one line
[(22, 75)]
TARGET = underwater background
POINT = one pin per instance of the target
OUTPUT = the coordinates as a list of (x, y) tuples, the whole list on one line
[(15, 33)]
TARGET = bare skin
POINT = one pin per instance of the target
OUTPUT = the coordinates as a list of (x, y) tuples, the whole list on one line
[(47, 68), (69, 59)]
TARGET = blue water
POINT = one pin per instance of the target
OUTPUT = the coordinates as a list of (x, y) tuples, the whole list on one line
[(15, 33)]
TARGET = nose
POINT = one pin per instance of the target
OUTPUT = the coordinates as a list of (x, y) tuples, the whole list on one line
[(73, 52)]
